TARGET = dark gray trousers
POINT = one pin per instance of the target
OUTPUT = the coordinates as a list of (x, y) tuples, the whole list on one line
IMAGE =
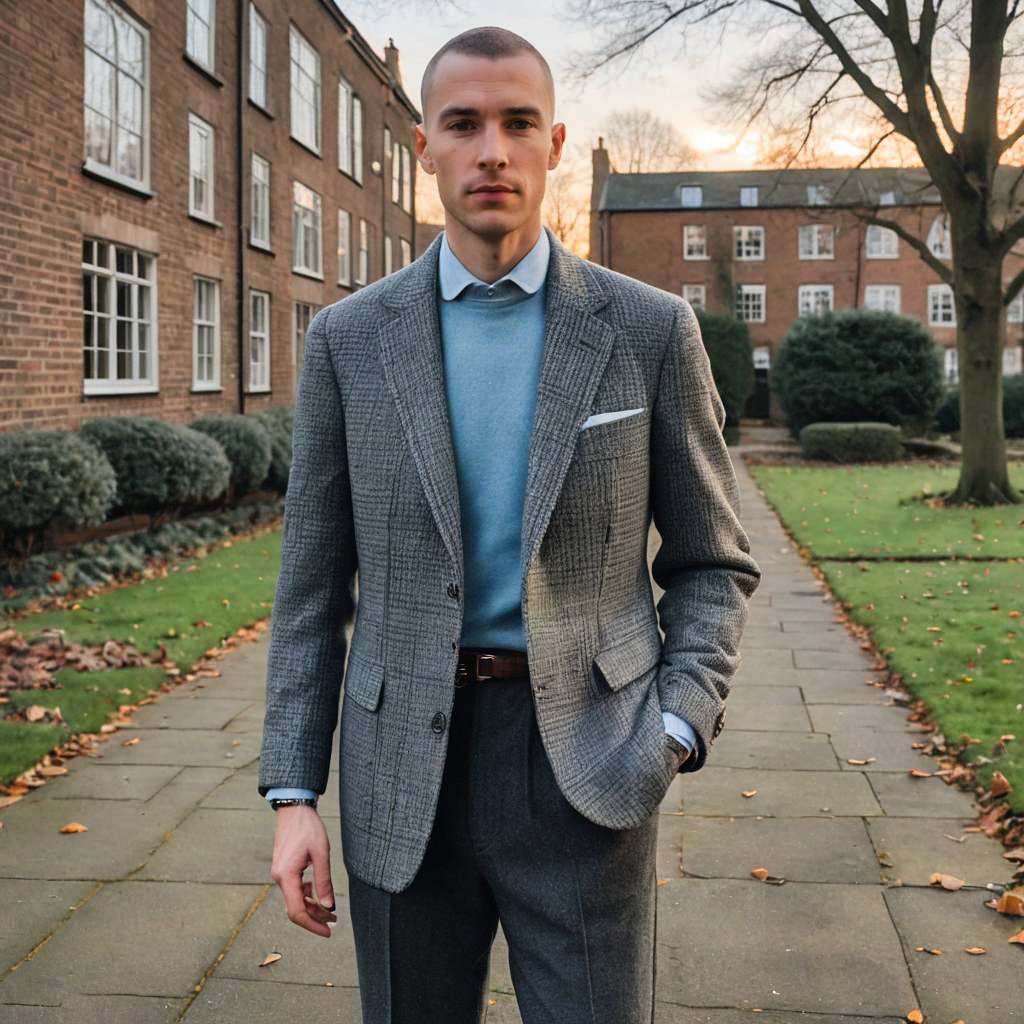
[(576, 900)]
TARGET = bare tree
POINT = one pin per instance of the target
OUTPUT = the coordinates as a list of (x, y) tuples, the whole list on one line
[(566, 208), (944, 77), (640, 142)]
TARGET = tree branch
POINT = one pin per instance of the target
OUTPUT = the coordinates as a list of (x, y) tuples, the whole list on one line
[(1015, 285), (940, 268)]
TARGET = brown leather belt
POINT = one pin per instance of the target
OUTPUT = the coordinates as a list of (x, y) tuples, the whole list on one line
[(477, 664)]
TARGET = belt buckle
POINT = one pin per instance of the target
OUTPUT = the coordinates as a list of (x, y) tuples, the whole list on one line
[(479, 659)]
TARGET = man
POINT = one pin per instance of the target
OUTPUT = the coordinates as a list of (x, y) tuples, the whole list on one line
[(485, 435)]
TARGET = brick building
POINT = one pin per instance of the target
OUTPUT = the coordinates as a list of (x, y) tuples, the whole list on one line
[(772, 245), (184, 184)]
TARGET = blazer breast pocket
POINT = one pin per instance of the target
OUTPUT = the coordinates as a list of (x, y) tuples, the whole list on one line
[(613, 433)]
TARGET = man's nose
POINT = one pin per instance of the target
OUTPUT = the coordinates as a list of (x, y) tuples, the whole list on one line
[(493, 152)]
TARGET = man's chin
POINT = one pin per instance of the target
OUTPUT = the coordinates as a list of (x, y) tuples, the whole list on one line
[(492, 225)]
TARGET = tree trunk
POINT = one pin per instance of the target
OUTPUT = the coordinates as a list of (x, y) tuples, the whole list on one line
[(984, 476)]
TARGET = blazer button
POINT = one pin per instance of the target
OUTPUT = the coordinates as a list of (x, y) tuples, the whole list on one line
[(438, 722), (453, 590)]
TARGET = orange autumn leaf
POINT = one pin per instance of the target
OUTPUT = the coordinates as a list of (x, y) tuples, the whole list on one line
[(132, 742), (270, 958), (950, 882), (1011, 902), (748, 793), (919, 773), (50, 770), (761, 873), (1000, 785), (975, 950), (73, 826), (1019, 937), (915, 1017)]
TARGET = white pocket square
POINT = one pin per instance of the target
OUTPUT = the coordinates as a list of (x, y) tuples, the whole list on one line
[(607, 417)]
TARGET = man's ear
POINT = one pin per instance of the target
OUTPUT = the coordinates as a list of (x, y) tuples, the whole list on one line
[(423, 157), (557, 142)]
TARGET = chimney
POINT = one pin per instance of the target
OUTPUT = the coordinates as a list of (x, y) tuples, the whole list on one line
[(391, 61), (601, 168)]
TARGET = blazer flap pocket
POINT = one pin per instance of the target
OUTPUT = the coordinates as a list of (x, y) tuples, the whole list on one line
[(363, 679), (629, 658)]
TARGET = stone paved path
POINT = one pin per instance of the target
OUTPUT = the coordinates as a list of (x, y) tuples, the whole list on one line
[(164, 909)]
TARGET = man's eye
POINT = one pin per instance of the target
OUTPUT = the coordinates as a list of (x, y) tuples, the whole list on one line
[(520, 124), (459, 126)]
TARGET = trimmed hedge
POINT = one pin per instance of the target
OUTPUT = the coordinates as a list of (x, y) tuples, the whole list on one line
[(247, 445), (278, 421), (851, 442), (52, 475), (727, 342), (947, 418), (858, 366), (159, 465)]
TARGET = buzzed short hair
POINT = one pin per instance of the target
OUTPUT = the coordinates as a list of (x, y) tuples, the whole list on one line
[(487, 41)]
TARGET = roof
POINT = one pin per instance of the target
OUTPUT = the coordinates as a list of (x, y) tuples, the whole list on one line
[(776, 188)]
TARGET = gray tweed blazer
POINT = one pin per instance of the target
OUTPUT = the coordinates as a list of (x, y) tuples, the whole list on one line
[(373, 488)]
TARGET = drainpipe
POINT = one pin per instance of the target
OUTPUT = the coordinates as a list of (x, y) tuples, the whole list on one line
[(240, 38)]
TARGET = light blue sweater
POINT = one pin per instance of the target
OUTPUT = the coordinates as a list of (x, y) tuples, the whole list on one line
[(492, 339)]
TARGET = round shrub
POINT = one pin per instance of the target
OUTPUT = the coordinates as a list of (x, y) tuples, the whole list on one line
[(247, 445), (851, 442), (159, 465), (48, 475), (857, 366), (727, 341), (947, 418), (278, 421)]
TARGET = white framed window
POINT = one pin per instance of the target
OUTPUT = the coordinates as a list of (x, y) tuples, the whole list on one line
[(305, 90), (887, 199), (691, 196), (205, 335), (762, 357), (749, 242), (363, 256), (259, 340), (817, 195), (817, 242), (200, 167), (120, 324), (881, 243), (357, 139), (302, 314), (694, 294), (116, 107), (259, 228), (748, 195), (258, 33), (344, 247), (307, 230), (200, 28), (387, 255), (815, 298), (396, 172), (941, 307), (1011, 360), (885, 298), (345, 127), (406, 179), (406, 250), (750, 303), (940, 241), (951, 364), (695, 242), (1015, 310)]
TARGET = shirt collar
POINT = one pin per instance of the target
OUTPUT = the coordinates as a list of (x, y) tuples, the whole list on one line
[(528, 273)]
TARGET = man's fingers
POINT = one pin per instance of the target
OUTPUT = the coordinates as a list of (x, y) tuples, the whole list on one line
[(322, 889)]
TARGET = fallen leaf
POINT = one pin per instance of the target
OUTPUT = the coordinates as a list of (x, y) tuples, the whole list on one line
[(1011, 902), (51, 770), (1000, 785), (860, 760), (761, 873), (1019, 937), (920, 773), (915, 1017), (975, 950), (73, 826), (132, 742), (663, 881), (748, 792), (270, 958), (950, 882)]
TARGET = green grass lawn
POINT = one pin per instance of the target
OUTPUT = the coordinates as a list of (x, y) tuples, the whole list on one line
[(945, 625), (230, 588)]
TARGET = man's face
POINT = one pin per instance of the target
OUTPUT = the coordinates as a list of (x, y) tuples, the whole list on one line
[(489, 138)]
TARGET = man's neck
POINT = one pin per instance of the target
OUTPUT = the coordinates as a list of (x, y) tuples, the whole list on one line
[(486, 258)]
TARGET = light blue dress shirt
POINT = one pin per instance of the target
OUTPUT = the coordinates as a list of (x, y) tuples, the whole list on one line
[(492, 341)]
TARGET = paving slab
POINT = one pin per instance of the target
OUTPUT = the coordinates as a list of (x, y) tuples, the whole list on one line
[(852, 658), (30, 910), (746, 748), (779, 659), (96, 780), (826, 717), (743, 696), (79, 1009), (193, 747), (757, 716), (186, 711), (838, 686), (901, 795), (891, 751), (229, 1001)]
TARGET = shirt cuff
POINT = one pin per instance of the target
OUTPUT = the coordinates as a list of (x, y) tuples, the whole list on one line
[(288, 793), (679, 729)]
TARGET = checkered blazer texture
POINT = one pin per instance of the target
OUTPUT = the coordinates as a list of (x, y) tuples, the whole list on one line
[(373, 487)]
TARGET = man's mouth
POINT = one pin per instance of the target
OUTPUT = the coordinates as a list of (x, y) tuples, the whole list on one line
[(491, 189)]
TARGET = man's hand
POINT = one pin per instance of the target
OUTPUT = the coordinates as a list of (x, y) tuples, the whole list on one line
[(300, 839)]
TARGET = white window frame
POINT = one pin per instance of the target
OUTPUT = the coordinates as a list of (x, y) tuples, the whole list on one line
[(205, 357), (304, 81), (1015, 309), (885, 298), (748, 242), (102, 326), (307, 230), (807, 296), (115, 73), (259, 196), (259, 340), (752, 291), (951, 364), (396, 172), (406, 179), (941, 299), (362, 268), (344, 247), (695, 242), (302, 317), (259, 32), (406, 251), (940, 240), (388, 264), (749, 195), (817, 195), (201, 171), (691, 197), (357, 138), (881, 243), (810, 239), (887, 198), (196, 26), (696, 295), (345, 126), (1012, 362)]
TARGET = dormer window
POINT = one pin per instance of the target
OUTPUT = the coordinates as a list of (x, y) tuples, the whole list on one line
[(748, 195), (817, 195), (691, 196), (887, 199)]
